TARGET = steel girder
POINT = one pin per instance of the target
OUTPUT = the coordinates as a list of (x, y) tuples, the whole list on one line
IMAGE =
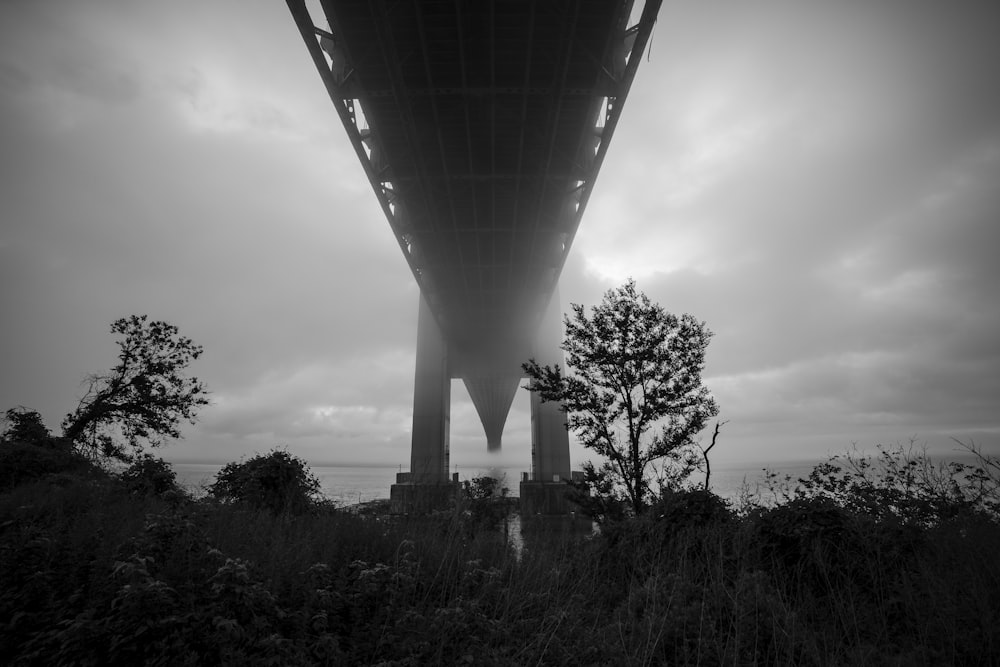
[(482, 126)]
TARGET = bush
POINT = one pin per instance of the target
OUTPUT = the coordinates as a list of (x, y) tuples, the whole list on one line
[(150, 476), (900, 484), (793, 532), (22, 462), (276, 481), (832, 551), (486, 501), (691, 508)]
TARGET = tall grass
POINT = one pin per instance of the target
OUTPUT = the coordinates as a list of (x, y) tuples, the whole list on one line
[(94, 573)]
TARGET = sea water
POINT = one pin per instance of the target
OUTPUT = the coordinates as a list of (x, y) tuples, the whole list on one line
[(348, 485)]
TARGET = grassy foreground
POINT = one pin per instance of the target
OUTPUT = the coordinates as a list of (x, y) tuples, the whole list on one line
[(96, 573)]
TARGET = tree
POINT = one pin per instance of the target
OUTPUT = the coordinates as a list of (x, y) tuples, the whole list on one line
[(144, 397), (635, 367), (276, 481), (704, 453), (24, 425)]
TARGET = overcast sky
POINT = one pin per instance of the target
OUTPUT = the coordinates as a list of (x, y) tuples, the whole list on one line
[(818, 181)]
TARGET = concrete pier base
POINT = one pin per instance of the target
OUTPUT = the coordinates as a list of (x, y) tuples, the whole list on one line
[(409, 497)]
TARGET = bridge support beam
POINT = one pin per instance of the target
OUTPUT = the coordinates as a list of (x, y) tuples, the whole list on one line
[(431, 402), (544, 492), (427, 485), (549, 438)]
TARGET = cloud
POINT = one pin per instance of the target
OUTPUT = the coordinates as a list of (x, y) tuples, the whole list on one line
[(816, 181), (210, 99)]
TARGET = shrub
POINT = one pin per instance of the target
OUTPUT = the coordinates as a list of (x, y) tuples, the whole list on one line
[(486, 501), (148, 475), (815, 543), (792, 529), (899, 484), (276, 481), (691, 508), (22, 462)]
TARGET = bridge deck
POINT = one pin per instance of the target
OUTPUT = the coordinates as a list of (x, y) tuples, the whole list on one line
[(482, 126)]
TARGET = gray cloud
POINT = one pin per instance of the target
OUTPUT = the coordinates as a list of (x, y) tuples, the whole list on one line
[(816, 181)]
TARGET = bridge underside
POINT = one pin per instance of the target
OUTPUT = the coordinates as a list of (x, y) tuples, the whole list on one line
[(481, 125)]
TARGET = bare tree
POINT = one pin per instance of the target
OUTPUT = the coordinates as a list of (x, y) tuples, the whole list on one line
[(706, 450)]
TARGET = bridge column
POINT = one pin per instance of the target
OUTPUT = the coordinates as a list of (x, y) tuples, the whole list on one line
[(550, 467), (431, 402), (427, 486), (549, 438)]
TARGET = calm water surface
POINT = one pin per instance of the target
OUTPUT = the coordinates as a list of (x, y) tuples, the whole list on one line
[(347, 485)]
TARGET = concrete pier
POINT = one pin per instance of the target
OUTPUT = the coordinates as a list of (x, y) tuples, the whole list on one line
[(492, 378), (427, 487), (431, 403), (543, 492), (549, 438)]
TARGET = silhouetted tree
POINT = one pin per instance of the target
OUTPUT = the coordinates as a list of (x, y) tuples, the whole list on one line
[(24, 425), (144, 397), (635, 367)]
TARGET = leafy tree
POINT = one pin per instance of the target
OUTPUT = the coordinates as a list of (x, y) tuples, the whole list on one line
[(144, 397), (635, 367), (24, 425), (276, 481)]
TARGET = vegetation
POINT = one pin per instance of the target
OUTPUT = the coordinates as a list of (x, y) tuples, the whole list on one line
[(486, 503), (277, 482), (24, 425), (22, 462), (148, 475), (28, 451), (900, 484), (635, 368), (97, 573), (888, 560), (144, 398)]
